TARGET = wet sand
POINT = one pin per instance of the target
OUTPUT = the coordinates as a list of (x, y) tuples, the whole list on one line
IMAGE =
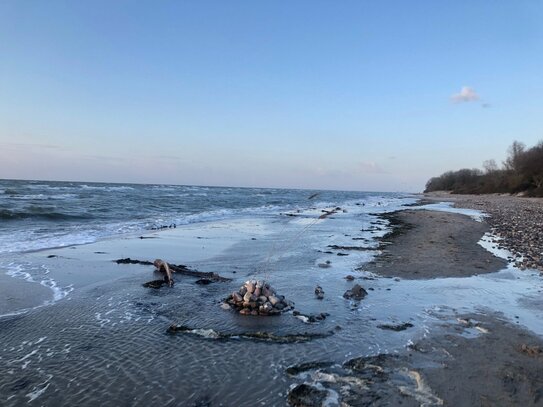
[(18, 295), (478, 359), (518, 221), (500, 367), (431, 244)]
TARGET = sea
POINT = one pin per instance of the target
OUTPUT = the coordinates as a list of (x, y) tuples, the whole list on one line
[(100, 337), (36, 215)]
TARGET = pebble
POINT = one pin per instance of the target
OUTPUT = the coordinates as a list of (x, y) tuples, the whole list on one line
[(518, 222)]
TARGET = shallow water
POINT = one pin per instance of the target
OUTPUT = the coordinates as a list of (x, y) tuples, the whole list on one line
[(106, 341)]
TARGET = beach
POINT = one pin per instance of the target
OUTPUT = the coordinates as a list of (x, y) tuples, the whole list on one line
[(444, 317)]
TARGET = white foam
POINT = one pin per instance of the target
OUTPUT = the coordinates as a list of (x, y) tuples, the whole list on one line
[(38, 391), (448, 207)]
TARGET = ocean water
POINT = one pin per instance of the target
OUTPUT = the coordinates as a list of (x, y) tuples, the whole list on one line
[(37, 215), (102, 338)]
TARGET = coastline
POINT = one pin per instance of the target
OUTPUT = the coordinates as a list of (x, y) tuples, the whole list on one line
[(480, 358), (430, 332), (427, 244), (518, 221)]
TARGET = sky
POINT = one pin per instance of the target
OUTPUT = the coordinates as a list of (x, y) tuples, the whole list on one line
[(349, 95)]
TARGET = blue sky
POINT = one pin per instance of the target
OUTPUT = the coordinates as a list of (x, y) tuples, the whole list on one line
[(354, 95)]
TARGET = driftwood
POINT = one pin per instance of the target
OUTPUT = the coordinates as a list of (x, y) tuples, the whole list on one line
[(163, 267), (176, 268)]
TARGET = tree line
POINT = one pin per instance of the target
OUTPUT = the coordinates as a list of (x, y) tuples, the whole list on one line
[(520, 173)]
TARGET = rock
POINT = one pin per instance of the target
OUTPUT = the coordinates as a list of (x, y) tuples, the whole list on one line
[(262, 299), (324, 265), (244, 311), (305, 395), (267, 291), (247, 296), (319, 292), (237, 297), (355, 293), (154, 284), (396, 328), (203, 281), (249, 285), (259, 284), (225, 306), (257, 291), (243, 290), (349, 277), (273, 300)]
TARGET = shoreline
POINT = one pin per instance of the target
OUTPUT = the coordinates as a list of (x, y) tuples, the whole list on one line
[(409, 327), (419, 237), (518, 221), (479, 358)]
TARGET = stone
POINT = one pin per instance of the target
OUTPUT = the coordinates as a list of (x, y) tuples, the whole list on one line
[(225, 306), (319, 292), (262, 299), (257, 291), (237, 297), (247, 296), (356, 293), (305, 395), (249, 285), (349, 277), (203, 281), (273, 300), (267, 291), (244, 311)]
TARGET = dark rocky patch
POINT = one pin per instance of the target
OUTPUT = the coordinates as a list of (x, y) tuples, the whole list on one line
[(305, 395), (356, 293), (259, 335), (204, 281), (304, 367), (396, 328)]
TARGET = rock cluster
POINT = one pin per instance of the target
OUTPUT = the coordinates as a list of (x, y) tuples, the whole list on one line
[(258, 298)]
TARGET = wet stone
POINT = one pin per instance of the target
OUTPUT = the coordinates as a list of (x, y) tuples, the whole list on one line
[(305, 395), (319, 292), (355, 293)]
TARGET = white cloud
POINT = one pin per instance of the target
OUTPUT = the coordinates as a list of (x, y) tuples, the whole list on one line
[(466, 94)]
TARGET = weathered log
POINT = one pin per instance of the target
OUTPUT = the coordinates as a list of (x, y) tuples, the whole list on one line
[(177, 268), (163, 267)]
